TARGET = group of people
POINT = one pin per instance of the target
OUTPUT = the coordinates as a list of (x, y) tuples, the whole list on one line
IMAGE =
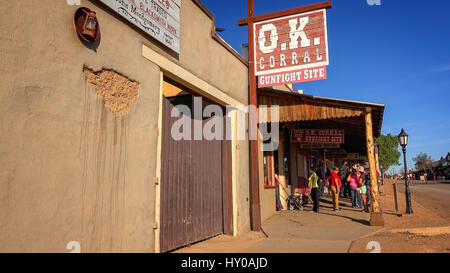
[(412, 176), (347, 182)]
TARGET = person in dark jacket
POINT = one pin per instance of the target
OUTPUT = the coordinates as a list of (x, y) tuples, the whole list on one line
[(343, 174)]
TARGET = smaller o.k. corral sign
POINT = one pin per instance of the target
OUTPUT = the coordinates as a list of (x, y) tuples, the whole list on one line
[(291, 49), (158, 18), (317, 136)]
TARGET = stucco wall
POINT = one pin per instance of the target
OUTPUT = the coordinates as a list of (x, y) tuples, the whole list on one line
[(266, 195), (283, 187), (72, 170), (243, 187), (204, 56), (268, 207)]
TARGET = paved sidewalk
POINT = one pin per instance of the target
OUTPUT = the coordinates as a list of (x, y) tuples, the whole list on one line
[(297, 232)]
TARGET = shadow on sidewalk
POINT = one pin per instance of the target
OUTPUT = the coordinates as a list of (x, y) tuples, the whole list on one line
[(360, 221), (343, 201)]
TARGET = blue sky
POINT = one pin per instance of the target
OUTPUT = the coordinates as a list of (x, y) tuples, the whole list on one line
[(397, 53)]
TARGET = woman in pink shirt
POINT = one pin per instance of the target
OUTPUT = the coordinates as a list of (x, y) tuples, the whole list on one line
[(352, 179)]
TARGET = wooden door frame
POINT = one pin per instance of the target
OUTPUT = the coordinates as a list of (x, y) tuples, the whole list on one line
[(227, 187)]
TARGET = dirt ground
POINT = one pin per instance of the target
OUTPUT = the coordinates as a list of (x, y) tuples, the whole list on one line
[(405, 242), (423, 216)]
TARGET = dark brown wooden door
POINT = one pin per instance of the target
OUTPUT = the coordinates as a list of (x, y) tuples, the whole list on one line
[(191, 184)]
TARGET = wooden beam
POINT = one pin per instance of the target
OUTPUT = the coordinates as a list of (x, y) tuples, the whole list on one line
[(349, 122), (293, 99), (331, 124), (253, 128), (273, 15), (376, 218)]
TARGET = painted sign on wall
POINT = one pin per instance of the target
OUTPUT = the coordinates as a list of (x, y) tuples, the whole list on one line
[(317, 136), (159, 18), (291, 49)]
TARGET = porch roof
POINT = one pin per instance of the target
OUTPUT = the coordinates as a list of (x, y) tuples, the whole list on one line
[(328, 112)]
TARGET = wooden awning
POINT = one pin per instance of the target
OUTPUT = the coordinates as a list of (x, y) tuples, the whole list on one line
[(294, 107)]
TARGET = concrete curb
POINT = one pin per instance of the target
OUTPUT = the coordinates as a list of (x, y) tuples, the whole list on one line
[(426, 231)]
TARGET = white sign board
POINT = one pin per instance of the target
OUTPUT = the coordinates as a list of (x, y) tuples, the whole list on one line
[(159, 18)]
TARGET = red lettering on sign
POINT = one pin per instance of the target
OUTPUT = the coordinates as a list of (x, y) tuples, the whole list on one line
[(317, 136)]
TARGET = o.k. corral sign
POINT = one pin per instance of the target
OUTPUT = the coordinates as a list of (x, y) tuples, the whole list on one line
[(159, 18), (291, 49), (317, 136)]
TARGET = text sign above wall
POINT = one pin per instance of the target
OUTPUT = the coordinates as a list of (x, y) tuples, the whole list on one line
[(320, 145), (317, 136), (159, 18), (291, 49)]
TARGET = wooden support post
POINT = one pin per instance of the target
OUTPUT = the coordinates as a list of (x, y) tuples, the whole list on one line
[(253, 125), (376, 217)]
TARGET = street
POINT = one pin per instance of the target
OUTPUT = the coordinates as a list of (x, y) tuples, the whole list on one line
[(433, 196)]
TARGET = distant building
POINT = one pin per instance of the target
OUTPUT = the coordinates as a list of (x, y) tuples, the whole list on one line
[(442, 161)]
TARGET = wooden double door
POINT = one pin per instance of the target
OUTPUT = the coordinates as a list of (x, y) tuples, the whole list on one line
[(195, 188)]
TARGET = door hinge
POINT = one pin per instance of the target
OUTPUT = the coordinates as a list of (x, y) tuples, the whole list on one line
[(155, 225), (156, 180)]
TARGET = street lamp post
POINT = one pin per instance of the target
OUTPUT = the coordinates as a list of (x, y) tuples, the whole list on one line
[(403, 139), (376, 149)]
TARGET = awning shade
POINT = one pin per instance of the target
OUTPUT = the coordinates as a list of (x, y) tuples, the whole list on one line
[(295, 107), (292, 110)]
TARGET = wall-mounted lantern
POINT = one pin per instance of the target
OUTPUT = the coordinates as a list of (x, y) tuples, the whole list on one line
[(86, 24), (90, 25)]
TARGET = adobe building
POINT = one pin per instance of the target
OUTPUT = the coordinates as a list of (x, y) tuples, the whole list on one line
[(89, 159), (85, 149)]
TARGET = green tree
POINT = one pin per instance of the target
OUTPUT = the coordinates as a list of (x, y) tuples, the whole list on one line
[(423, 161), (388, 154)]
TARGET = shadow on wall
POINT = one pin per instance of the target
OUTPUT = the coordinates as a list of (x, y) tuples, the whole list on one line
[(92, 45)]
